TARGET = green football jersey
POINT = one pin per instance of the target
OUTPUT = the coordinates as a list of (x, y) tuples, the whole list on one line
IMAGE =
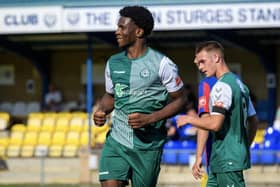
[(140, 85), (230, 150)]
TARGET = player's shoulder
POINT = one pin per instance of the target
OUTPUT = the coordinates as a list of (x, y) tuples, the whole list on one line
[(118, 56), (208, 80), (221, 86), (156, 56)]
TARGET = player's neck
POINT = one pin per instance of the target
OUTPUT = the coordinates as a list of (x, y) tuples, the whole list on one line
[(223, 69), (137, 50)]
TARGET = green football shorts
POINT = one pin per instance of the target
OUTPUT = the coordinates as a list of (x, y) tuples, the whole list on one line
[(122, 163), (227, 179)]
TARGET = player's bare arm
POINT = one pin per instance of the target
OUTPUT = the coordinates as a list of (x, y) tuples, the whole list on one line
[(138, 120), (211, 122), (106, 106), (197, 170), (252, 128)]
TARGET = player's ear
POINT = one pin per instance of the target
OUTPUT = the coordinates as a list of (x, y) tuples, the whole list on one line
[(216, 57), (140, 32)]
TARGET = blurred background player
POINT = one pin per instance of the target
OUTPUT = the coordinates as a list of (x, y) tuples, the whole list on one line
[(53, 99)]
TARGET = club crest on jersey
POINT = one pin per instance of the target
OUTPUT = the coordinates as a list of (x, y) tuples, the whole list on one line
[(202, 101), (145, 73)]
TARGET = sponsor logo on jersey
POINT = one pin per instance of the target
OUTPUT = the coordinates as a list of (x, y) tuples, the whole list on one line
[(120, 90), (202, 101)]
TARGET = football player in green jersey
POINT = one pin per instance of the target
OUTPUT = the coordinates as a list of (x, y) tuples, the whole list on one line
[(232, 119), (143, 88)]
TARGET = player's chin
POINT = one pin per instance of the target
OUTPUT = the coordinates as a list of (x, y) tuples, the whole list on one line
[(122, 45), (205, 74)]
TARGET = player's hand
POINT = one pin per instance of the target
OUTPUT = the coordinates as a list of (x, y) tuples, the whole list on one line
[(99, 118), (138, 120), (182, 120), (197, 170)]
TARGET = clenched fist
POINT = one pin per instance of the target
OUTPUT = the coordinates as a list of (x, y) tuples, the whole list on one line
[(99, 118)]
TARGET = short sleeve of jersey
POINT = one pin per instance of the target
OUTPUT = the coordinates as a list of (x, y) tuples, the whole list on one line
[(251, 109), (204, 89), (168, 72), (108, 80), (203, 97), (221, 98)]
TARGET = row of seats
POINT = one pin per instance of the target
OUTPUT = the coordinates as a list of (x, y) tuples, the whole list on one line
[(265, 149), (57, 144), (50, 121), (22, 108), (178, 152), (52, 134)]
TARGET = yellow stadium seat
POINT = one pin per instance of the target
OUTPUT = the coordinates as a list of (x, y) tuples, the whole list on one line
[(62, 128), (76, 127), (70, 149), (35, 115), (44, 138), (84, 139), (55, 151), (62, 124), (49, 120), (86, 125), (101, 137), (29, 142), (4, 120), (50, 114), (73, 137), (47, 127), (64, 115), (76, 124), (98, 130), (19, 127), (58, 141), (16, 139), (33, 128), (34, 124), (48, 124), (13, 151), (44, 141), (34, 120), (259, 138), (4, 142), (82, 115), (85, 128)]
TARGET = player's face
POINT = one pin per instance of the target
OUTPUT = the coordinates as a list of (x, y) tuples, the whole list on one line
[(126, 32), (206, 62)]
